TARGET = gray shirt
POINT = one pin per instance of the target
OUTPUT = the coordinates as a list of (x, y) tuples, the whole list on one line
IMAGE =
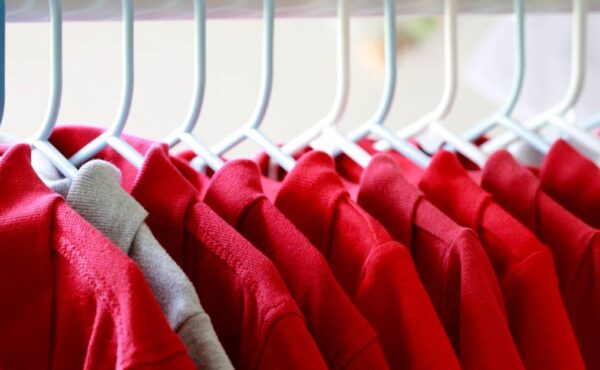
[(96, 194)]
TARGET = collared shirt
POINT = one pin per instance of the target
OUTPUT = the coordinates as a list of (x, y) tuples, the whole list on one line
[(256, 319), (572, 180), (575, 245), (70, 298), (345, 338), (375, 271), (523, 265), (451, 263), (96, 194)]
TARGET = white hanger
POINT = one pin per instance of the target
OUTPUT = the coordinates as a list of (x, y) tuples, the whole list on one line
[(375, 125), (433, 120), (250, 130), (592, 123), (185, 132), (325, 129), (504, 116), (560, 114), (111, 135), (40, 139)]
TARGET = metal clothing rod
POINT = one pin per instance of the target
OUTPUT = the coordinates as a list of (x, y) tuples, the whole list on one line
[(95, 10)]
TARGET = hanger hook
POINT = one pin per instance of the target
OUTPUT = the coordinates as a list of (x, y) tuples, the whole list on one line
[(250, 129), (450, 64), (112, 135), (503, 116), (56, 67), (385, 103), (375, 125), (40, 139), (434, 119), (519, 76), (184, 133), (128, 70), (340, 102), (556, 114), (199, 74)]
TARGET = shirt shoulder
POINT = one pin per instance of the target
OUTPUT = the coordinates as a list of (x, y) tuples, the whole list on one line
[(342, 333), (392, 296), (252, 289), (99, 285)]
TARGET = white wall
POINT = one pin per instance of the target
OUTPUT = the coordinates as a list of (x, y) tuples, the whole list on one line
[(303, 88)]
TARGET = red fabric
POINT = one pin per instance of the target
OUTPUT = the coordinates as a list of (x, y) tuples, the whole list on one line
[(254, 316), (524, 266), (451, 263), (69, 298), (375, 271), (573, 180), (353, 171), (345, 338), (575, 245)]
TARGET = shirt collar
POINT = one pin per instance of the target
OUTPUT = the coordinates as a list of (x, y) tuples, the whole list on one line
[(448, 185), (352, 171), (158, 186), (513, 186), (382, 181), (309, 194), (19, 179), (97, 195), (184, 162), (233, 189), (564, 168)]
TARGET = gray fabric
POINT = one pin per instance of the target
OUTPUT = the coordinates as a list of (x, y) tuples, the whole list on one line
[(96, 194)]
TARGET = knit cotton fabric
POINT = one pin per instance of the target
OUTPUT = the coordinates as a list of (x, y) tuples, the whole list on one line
[(96, 194)]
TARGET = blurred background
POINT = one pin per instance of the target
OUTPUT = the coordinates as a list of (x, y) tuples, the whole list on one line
[(304, 82)]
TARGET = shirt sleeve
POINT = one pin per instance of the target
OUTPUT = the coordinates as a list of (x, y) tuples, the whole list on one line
[(395, 302), (478, 316), (290, 346), (539, 319)]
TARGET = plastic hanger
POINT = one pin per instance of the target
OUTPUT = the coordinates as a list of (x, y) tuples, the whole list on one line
[(375, 125), (503, 116), (592, 124), (433, 120), (325, 129), (560, 114), (40, 139), (250, 130), (185, 132), (111, 135)]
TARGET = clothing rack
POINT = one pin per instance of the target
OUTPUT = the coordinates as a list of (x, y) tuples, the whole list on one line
[(87, 10), (120, 252)]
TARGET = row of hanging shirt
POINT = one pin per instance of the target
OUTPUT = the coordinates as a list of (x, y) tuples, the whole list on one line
[(300, 259)]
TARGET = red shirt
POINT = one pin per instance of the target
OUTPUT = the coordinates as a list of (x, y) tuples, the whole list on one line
[(70, 299), (252, 311), (345, 338), (524, 266), (575, 245), (573, 181), (451, 263), (374, 270)]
